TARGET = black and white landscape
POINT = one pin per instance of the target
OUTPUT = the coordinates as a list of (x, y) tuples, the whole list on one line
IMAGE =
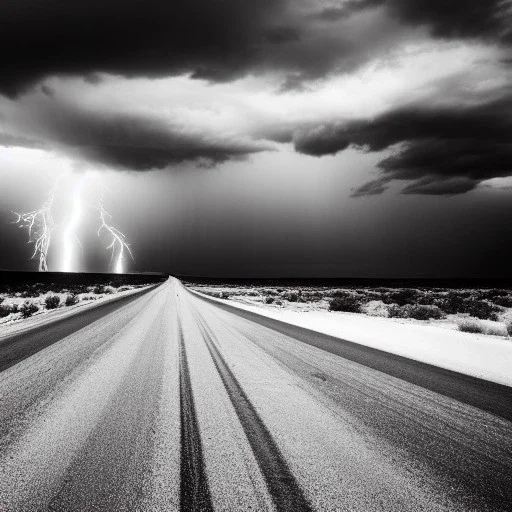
[(255, 255)]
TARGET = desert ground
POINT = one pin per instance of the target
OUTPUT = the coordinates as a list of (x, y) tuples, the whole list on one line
[(477, 310)]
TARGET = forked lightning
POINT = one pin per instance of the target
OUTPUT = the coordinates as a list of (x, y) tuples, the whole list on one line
[(41, 226)]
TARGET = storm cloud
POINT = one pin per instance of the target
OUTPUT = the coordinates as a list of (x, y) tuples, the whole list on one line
[(442, 150), (305, 55), (150, 38), (121, 140), (219, 40), (448, 19)]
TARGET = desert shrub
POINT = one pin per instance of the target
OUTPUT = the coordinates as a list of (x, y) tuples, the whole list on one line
[(401, 297), (416, 311), (269, 300), (396, 311), (1, 299), (251, 293), (495, 329), (468, 302), (6, 310), (508, 326), (348, 303), (453, 302), (426, 312), (375, 308), (480, 309), (470, 325), (28, 308), (278, 302), (429, 298), (71, 299), (493, 293), (291, 296), (224, 295), (505, 301), (52, 301), (312, 296), (476, 325), (124, 288), (370, 294), (340, 293), (101, 289)]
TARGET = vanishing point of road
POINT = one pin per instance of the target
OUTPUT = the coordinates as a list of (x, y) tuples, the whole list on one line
[(167, 401)]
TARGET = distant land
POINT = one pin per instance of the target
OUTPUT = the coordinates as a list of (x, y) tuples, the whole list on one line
[(355, 282)]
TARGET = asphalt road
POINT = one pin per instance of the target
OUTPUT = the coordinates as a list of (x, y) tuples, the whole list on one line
[(172, 402)]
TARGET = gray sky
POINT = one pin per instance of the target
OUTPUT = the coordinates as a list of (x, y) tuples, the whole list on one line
[(329, 138)]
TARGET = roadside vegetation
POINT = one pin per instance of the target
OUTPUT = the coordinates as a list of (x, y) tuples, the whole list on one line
[(25, 299), (484, 311)]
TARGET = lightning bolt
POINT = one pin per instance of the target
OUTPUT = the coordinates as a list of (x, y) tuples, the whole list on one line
[(117, 240), (70, 239), (40, 226)]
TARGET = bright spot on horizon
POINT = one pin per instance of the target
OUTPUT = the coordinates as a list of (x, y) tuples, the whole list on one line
[(70, 239)]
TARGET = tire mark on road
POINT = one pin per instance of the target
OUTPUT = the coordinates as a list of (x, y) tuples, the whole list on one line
[(282, 485), (464, 462), (194, 491), (485, 395)]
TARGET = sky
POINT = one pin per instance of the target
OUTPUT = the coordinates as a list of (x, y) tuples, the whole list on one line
[(234, 138)]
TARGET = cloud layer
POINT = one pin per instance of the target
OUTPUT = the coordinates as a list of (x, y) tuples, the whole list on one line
[(220, 40), (454, 148), (150, 38), (322, 73)]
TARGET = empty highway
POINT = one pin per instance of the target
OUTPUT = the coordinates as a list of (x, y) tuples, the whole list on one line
[(169, 401)]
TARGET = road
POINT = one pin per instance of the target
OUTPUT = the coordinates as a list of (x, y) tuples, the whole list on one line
[(171, 402)]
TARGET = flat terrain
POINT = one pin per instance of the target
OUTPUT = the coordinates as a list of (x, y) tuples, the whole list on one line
[(168, 401), (468, 306)]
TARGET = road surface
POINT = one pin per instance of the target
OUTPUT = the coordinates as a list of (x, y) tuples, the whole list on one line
[(171, 402)]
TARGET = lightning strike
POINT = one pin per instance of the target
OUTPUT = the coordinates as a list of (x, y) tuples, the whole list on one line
[(70, 239), (117, 240), (40, 226)]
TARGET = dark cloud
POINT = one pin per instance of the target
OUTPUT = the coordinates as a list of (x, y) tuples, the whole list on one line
[(322, 140), (457, 149), (448, 19), (215, 40), (457, 18), (143, 38), (173, 150), (435, 186), (371, 188), (135, 142)]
